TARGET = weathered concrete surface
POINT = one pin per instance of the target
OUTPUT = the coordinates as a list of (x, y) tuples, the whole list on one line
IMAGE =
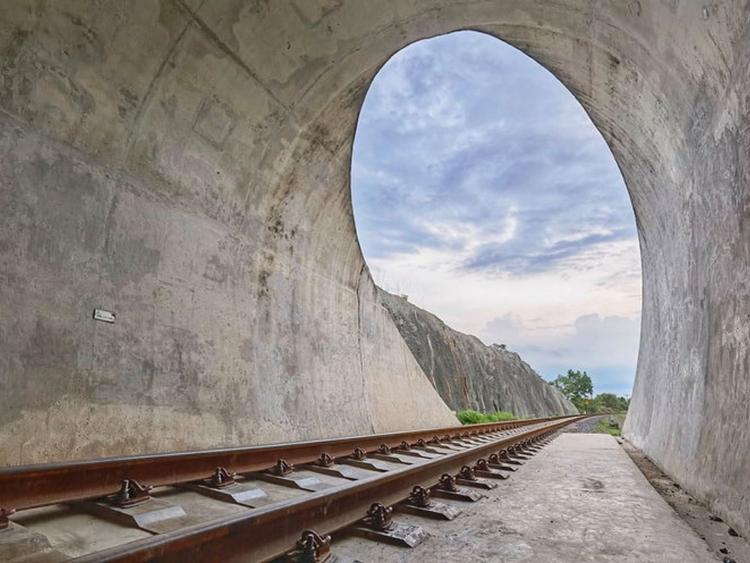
[(579, 499), (721, 538), (468, 374), (147, 169), (185, 163)]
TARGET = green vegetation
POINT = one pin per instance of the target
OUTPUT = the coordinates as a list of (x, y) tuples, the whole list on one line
[(611, 425), (470, 416), (609, 403), (577, 387)]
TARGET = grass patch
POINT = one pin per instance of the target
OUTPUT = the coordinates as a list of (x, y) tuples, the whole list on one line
[(611, 425), (470, 416)]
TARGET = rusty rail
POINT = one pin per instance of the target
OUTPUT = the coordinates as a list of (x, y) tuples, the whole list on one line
[(39, 485), (269, 532), (266, 532)]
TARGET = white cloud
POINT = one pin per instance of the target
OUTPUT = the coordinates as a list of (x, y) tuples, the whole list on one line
[(603, 280), (590, 339), (482, 190), (605, 347), (466, 237)]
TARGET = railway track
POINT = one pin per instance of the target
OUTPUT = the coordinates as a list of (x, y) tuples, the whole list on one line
[(256, 503)]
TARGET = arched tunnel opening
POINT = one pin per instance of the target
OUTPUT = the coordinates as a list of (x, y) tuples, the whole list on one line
[(179, 265), (483, 193)]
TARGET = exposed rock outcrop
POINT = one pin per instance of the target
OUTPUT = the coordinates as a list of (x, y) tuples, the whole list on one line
[(467, 373)]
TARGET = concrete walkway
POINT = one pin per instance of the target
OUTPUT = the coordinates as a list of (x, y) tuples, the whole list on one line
[(580, 499)]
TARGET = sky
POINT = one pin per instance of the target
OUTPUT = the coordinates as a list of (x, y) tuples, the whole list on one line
[(482, 190)]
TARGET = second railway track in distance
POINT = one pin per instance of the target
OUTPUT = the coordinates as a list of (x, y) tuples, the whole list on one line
[(257, 503)]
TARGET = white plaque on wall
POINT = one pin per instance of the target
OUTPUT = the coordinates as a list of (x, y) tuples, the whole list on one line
[(104, 316)]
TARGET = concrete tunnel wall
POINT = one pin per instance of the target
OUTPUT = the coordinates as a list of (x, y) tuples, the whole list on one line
[(186, 165)]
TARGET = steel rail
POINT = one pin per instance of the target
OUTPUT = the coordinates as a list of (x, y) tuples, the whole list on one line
[(40, 485), (265, 533)]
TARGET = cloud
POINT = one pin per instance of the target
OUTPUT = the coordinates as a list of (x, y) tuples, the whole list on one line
[(517, 259), (482, 189), (604, 346), (460, 128)]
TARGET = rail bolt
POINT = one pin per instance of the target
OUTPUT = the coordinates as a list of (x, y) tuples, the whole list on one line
[(447, 483), (282, 467), (420, 496), (379, 516), (312, 548), (467, 473), (384, 449), (324, 460), (481, 465), (221, 478), (131, 493)]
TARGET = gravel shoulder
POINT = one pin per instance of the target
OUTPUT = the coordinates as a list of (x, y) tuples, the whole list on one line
[(586, 425)]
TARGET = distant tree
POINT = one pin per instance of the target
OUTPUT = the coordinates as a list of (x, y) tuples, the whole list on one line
[(577, 387), (607, 402)]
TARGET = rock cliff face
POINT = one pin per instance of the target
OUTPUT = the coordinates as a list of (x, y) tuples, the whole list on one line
[(468, 374)]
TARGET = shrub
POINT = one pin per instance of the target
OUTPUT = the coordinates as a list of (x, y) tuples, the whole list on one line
[(470, 416), (608, 426)]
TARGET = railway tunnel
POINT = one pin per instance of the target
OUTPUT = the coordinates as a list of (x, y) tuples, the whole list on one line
[(184, 165)]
